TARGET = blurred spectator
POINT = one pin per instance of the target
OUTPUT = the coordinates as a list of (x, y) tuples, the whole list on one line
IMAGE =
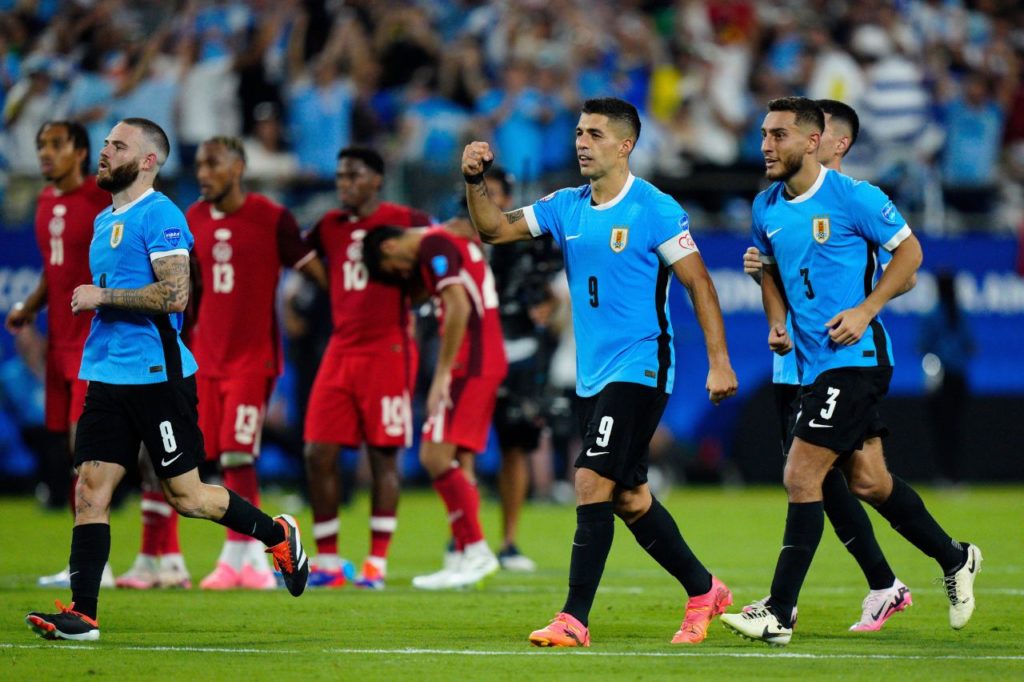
[(34, 99), (266, 158), (22, 395), (973, 124), (320, 102), (947, 347), (515, 111)]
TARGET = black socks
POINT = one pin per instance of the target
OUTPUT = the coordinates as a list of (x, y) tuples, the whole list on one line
[(657, 532), (852, 525), (805, 522), (906, 512), (595, 528), (246, 519), (90, 550)]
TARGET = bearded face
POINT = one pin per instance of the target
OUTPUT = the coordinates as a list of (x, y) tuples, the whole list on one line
[(117, 179)]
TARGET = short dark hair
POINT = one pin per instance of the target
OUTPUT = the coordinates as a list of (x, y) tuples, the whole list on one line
[(370, 157), (155, 134), (79, 138), (807, 111), (373, 251), (840, 111), (229, 142), (616, 110)]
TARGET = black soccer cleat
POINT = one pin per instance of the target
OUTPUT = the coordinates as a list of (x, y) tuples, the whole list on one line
[(289, 557), (68, 624)]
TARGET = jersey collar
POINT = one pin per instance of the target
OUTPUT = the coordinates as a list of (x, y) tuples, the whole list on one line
[(822, 172), (118, 211), (618, 197)]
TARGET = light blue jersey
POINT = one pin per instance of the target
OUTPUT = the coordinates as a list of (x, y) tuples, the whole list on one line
[(825, 243), (784, 366), (616, 259), (126, 347)]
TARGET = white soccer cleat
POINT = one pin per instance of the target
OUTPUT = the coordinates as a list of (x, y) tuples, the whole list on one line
[(173, 573), (512, 560), (960, 589), (445, 579), (61, 579), (758, 624), (880, 605), (143, 575), (107, 580), (478, 562), (762, 602)]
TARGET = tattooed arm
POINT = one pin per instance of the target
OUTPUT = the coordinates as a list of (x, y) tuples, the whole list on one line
[(494, 226), (168, 294)]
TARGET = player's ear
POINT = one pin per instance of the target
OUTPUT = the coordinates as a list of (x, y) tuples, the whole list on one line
[(626, 147)]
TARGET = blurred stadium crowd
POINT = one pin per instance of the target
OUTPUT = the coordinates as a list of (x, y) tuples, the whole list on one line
[(937, 84)]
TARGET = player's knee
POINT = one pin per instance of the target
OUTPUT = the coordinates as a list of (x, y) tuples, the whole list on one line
[(320, 453), (800, 485), (873, 490)]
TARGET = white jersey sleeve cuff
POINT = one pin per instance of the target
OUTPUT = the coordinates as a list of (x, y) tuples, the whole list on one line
[(156, 255), (897, 239), (531, 221), (677, 248)]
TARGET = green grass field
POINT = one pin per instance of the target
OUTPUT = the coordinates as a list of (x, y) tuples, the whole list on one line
[(481, 634)]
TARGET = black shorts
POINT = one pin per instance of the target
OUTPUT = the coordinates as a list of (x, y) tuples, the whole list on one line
[(164, 416), (617, 425), (786, 404), (839, 411)]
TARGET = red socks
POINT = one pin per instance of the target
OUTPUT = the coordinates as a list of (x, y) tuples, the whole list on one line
[(462, 499), (244, 482)]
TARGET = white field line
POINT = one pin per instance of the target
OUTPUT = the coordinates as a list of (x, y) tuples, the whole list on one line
[(460, 652)]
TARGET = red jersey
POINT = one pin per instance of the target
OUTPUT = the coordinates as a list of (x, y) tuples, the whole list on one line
[(367, 315), (446, 259), (64, 231), (240, 256)]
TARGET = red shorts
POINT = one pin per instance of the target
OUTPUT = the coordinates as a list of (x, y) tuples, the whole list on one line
[(362, 399), (65, 392), (467, 422), (231, 411)]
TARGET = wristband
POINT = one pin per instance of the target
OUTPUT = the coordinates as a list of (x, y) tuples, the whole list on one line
[(477, 179)]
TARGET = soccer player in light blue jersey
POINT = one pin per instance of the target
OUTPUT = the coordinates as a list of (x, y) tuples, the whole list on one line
[(887, 595), (622, 240), (141, 380), (819, 231)]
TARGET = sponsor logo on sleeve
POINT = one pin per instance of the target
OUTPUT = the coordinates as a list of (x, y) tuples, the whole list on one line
[(889, 213), (172, 235), (549, 197), (439, 264), (684, 222)]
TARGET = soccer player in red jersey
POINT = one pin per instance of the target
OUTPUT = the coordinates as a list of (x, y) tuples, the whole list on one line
[(367, 373), (64, 217), (471, 365)]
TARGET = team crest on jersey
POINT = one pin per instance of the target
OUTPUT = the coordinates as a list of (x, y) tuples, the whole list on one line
[(619, 238), (116, 235), (821, 228)]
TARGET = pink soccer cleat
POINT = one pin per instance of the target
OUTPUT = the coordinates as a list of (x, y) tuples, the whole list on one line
[(563, 631), (699, 612), (224, 577), (250, 578), (881, 605)]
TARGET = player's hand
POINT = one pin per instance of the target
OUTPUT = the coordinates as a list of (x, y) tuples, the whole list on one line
[(18, 317), (85, 297), (752, 262), (439, 396), (848, 327), (476, 158), (721, 383), (779, 341)]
